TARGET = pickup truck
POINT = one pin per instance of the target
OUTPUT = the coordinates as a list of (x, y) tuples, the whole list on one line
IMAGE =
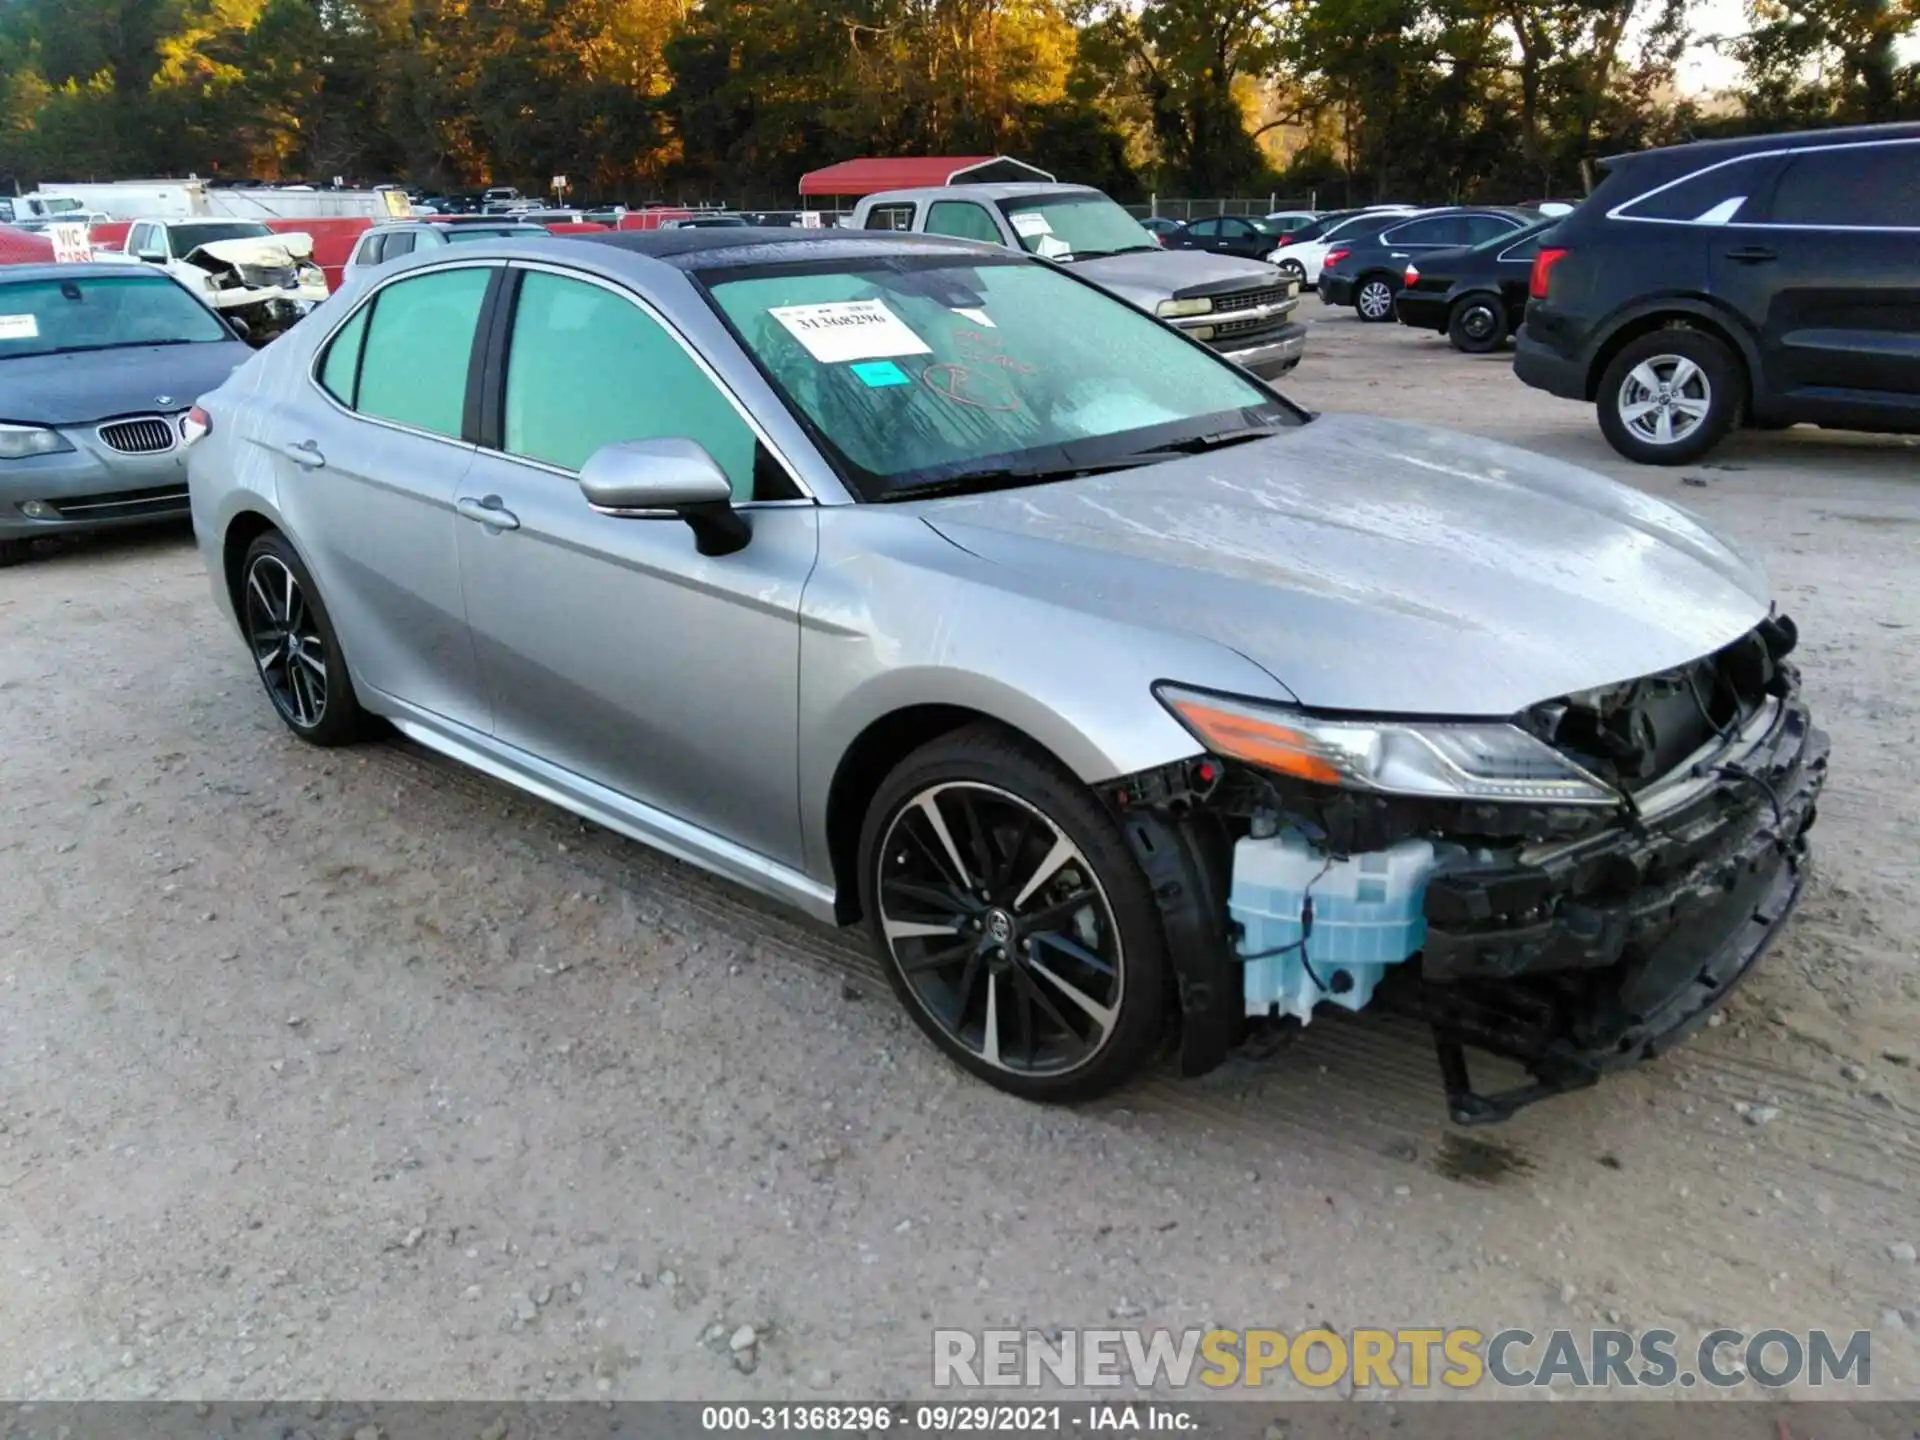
[(1239, 307)]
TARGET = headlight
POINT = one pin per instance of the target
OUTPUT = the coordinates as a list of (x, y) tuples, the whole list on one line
[(17, 442), (1171, 309), (1475, 760)]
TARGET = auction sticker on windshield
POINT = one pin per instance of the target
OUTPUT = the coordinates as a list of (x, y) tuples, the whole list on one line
[(1030, 223), (19, 327), (850, 330)]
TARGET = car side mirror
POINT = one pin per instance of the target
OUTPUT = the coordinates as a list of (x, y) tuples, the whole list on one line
[(152, 257), (671, 478)]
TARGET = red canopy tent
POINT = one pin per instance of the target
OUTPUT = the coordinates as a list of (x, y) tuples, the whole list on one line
[(872, 174), (23, 247)]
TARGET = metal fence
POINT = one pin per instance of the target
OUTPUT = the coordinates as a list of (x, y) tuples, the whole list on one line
[(1175, 208)]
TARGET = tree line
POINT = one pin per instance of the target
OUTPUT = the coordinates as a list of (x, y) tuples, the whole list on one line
[(668, 99)]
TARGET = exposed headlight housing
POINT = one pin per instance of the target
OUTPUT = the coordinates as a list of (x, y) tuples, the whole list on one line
[(17, 442), (1173, 309), (1435, 759)]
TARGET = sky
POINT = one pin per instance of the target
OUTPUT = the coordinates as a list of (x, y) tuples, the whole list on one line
[(1703, 71)]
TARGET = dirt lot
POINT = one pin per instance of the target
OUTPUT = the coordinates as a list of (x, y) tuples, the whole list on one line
[(356, 1074)]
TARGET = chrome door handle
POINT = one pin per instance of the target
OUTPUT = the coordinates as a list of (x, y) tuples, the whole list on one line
[(1752, 255), (489, 512), (305, 453)]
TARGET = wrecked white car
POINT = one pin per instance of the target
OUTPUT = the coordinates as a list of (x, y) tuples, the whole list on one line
[(239, 267)]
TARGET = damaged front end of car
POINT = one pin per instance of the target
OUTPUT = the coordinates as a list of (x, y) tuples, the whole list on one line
[(268, 285), (1574, 889)]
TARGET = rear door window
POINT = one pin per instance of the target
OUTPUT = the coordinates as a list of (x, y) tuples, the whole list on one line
[(1485, 227), (1866, 186), (1719, 195), (413, 367), (1438, 230), (1208, 228)]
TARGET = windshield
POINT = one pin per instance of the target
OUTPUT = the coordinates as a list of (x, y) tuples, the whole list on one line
[(100, 312), (188, 238), (925, 374), (1074, 226)]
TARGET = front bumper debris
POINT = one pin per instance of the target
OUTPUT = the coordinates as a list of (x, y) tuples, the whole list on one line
[(1571, 949), (1599, 954)]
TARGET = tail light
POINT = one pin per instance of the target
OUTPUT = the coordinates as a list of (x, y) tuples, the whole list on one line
[(1412, 277), (1286, 239), (1543, 263), (194, 424), (1334, 257)]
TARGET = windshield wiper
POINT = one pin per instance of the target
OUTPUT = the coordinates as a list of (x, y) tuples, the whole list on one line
[(1012, 477), (115, 345), (1103, 254), (1216, 440)]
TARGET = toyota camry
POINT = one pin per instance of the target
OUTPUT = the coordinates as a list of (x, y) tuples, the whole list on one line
[(924, 585)]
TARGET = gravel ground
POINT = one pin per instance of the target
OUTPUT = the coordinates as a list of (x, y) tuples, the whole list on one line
[(356, 1074)]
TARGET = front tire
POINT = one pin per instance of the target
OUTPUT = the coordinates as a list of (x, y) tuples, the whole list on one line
[(1477, 325), (294, 647), (1373, 301), (1012, 920), (1670, 397)]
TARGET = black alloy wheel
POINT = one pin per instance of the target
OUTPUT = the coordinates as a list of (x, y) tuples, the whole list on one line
[(1012, 921), (294, 647)]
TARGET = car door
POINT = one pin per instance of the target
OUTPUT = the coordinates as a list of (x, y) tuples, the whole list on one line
[(1208, 234), (611, 647), (368, 461), (1243, 237), (1831, 271)]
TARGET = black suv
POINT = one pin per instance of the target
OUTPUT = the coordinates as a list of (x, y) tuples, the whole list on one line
[(1764, 281)]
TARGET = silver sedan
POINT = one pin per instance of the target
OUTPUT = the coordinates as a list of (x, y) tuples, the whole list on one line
[(923, 584)]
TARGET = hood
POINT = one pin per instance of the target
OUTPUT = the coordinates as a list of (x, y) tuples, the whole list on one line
[(280, 250), (99, 384), (1151, 276), (1374, 566)]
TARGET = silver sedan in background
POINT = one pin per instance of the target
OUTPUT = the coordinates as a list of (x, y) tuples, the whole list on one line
[(925, 584), (99, 368)]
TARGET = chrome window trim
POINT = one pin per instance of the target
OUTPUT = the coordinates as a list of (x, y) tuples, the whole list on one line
[(326, 342), (1790, 151), (653, 313)]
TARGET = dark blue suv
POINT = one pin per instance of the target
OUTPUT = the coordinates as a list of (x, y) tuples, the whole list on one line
[(1764, 281)]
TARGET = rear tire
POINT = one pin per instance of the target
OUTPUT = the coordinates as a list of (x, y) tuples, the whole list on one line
[(1477, 325), (1373, 300), (1012, 919), (294, 648), (1293, 270), (1671, 396)]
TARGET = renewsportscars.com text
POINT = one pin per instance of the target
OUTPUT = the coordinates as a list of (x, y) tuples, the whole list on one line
[(1402, 1358)]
